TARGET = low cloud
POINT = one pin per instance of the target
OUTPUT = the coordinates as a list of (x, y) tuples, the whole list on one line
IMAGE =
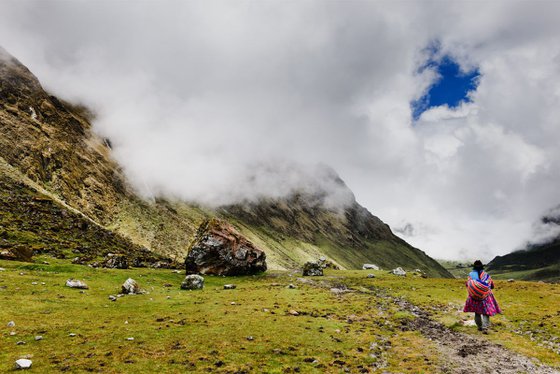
[(218, 102)]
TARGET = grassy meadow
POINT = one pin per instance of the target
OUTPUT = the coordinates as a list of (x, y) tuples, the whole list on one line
[(336, 323)]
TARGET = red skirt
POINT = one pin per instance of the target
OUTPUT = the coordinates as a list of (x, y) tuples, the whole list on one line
[(488, 306)]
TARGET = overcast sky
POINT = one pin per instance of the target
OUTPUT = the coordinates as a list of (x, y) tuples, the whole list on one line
[(217, 101)]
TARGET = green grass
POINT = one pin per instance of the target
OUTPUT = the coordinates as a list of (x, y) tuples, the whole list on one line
[(178, 331)]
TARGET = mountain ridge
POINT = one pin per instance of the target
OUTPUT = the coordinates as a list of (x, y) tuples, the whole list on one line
[(52, 143)]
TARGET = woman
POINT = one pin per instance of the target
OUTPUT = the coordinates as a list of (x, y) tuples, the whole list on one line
[(481, 300)]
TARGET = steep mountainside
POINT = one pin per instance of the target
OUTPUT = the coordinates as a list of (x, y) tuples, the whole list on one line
[(50, 147)]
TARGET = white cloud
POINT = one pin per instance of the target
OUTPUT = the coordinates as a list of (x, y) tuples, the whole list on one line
[(199, 99)]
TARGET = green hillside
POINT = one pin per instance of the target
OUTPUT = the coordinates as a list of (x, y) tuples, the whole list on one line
[(50, 147)]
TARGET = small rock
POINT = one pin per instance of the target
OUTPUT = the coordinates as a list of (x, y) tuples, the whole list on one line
[(116, 261), (232, 303), (2, 269), (250, 338), (168, 297), (398, 271), (371, 276), (71, 335), (370, 267), (291, 286), (38, 337), (130, 287), (312, 269), (11, 324), (229, 286), (13, 333), (130, 339), (21, 342), (511, 280), (193, 282), (112, 298), (74, 283), (23, 364), (293, 312)]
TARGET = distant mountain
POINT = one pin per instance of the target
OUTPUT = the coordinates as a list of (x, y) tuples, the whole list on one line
[(536, 262), (48, 149)]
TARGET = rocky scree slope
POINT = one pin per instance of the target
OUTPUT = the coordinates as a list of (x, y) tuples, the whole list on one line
[(51, 144)]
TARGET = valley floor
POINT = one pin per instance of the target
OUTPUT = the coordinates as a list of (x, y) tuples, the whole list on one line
[(342, 322)]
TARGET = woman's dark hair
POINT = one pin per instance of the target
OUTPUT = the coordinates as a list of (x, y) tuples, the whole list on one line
[(478, 266)]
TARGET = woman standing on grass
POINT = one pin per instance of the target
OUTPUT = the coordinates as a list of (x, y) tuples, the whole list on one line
[(481, 300)]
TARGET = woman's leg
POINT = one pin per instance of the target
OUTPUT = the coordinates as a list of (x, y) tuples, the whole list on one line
[(478, 320), (485, 322)]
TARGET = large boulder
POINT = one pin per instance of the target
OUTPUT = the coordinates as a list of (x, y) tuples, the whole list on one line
[(370, 267), (218, 249), (312, 269), (192, 282)]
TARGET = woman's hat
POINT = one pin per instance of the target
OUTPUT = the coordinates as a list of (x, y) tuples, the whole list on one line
[(478, 265)]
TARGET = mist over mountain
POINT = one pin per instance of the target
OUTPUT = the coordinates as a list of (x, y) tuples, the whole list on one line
[(217, 94), (49, 153)]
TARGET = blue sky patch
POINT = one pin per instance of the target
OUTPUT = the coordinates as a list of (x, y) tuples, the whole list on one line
[(452, 87)]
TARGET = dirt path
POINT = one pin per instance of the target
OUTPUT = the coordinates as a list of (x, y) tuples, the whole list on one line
[(461, 353), (464, 353)]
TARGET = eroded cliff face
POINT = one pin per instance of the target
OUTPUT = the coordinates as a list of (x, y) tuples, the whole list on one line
[(51, 143)]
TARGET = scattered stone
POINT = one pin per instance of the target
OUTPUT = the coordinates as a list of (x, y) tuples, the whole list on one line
[(193, 282), (38, 337), (75, 283), (339, 291), (130, 339), (233, 303), (11, 324), (219, 249), (511, 280), (21, 342), (398, 271), (291, 286), (312, 269), (112, 298), (250, 338), (177, 271), (34, 283), (370, 267), (13, 333), (116, 261), (71, 335), (2, 269), (130, 287), (229, 286), (168, 297), (371, 276), (23, 364), (293, 312)]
